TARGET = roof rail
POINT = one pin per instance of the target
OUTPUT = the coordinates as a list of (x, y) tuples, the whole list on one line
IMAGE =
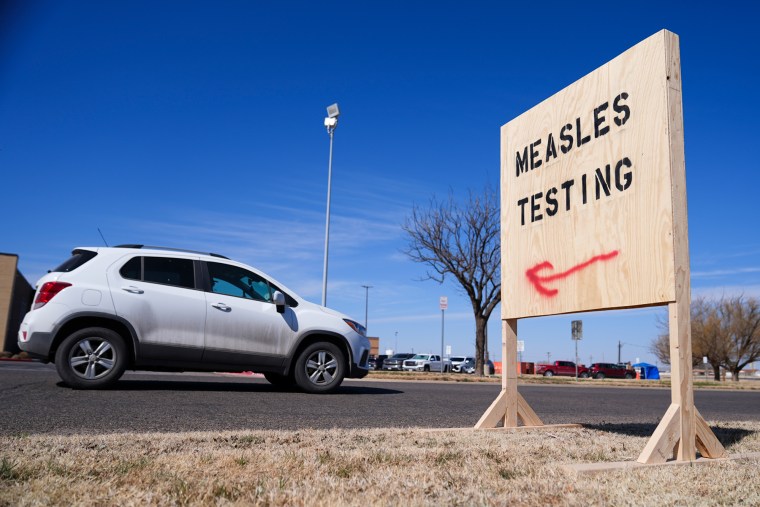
[(170, 249)]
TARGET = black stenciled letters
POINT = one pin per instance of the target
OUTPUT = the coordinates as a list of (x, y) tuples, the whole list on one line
[(599, 120), (551, 148), (535, 159), (566, 138), (535, 205), (521, 163), (621, 108)]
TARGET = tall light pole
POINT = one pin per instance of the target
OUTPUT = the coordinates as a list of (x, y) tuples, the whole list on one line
[(366, 306), (331, 122)]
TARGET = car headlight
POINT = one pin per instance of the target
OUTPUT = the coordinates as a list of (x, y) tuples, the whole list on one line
[(356, 326)]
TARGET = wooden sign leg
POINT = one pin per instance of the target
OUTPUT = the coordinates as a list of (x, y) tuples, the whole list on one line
[(509, 406), (682, 429)]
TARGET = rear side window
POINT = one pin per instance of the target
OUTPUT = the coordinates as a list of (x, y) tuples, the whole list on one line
[(163, 270), (78, 258), (132, 270), (169, 271)]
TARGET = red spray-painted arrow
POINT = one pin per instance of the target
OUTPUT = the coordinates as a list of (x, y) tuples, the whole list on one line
[(538, 280)]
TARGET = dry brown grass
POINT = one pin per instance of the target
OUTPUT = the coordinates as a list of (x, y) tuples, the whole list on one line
[(366, 467)]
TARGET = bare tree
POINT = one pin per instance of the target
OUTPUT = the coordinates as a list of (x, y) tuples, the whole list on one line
[(741, 321), (463, 242), (725, 331), (660, 347), (708, 334)]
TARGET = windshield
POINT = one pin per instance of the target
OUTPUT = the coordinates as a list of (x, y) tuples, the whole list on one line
[(421, 356), (458, 359)]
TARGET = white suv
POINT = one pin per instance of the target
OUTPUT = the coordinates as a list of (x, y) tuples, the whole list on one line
[(107, 309)]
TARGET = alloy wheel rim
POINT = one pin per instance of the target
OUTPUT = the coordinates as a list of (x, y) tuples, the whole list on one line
[(92, 358), (321, 367)]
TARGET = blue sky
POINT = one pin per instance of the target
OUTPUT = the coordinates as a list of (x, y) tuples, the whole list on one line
[(199, 125)]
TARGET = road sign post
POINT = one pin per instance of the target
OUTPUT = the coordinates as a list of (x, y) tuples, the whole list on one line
[(576, 331), (444, 304)]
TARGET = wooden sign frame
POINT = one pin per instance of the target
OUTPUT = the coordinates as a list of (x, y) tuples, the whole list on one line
[(682, 430)]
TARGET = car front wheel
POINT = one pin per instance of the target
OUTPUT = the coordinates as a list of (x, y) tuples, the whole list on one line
[(91, 358), (600, 375), (548, 373), (320, 368), (629, 376), (584, 375)]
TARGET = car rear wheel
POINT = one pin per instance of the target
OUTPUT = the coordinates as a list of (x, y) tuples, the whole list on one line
[(320, 368), (548, 373), (91, 358)]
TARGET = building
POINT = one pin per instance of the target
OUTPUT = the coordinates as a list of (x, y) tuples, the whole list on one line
[(15, 300), (374, 346)]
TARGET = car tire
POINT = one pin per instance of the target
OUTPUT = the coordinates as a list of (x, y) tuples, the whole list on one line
[(91, 358), (278, 380), (320, 368), (629, 376), (426, 368), (548, 373), (584, 375), (600, 376)]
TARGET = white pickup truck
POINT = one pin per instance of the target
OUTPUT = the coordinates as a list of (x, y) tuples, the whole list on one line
[(426, 362)]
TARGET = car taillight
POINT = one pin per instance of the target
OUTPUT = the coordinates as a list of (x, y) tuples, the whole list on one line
[(48, 292)]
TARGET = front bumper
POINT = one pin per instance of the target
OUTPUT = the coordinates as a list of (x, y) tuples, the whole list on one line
[(357, 372)]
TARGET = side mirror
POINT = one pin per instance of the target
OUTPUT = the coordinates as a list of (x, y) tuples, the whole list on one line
[(278, 298)]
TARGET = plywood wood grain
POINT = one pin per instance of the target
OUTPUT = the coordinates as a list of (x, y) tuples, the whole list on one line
[(587, 191)]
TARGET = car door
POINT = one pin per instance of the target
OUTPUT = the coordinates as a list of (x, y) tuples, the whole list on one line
[(243, 326), (157, 296)]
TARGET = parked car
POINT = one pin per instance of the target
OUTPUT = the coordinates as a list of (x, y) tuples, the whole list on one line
[(469, 366), (458, 361), (376, 362), (602, 370), (564, 368), (396, 361), (104, 310), (426, 362)]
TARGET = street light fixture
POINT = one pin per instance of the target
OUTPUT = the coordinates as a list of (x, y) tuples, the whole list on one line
[(331, 123), (366, 306)]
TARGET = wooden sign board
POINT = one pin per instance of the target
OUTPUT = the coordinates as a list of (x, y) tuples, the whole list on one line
[(587, 192), (594, 217)]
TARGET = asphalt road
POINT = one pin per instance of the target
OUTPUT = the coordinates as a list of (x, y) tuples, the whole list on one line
[(33, 400)]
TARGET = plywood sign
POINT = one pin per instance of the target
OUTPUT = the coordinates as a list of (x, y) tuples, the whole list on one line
[(587, 189)]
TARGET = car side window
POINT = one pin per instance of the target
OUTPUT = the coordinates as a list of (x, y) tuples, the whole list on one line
[(132, 270), (163, 270), (238, 282), (169, 271)]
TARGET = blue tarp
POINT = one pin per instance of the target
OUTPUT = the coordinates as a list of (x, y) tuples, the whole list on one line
[(647, 371)]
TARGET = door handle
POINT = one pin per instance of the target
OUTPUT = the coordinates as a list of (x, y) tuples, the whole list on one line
[(132, 289), (222, 307)]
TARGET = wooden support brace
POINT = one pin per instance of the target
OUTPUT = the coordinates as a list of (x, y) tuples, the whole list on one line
[(660, 446), (667, 438), (509, 406), (526, 414), (494, 413), (707, 443)]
